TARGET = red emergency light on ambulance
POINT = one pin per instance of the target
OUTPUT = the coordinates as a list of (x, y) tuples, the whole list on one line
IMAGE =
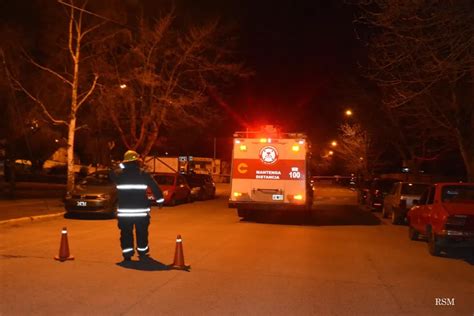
[(270, 171)]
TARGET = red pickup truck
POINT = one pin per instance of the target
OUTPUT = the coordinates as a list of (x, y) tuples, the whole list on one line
[(445, 215)]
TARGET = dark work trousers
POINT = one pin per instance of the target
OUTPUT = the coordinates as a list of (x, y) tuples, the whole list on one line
[(126, 225)]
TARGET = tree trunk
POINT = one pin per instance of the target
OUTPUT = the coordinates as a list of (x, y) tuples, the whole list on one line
[(467, 153), (465, 139), (70, 154), (72, 120)]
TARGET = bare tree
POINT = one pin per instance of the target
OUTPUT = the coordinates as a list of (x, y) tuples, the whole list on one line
[(79, 82), (353, 148), (422, 58), (161, 74)]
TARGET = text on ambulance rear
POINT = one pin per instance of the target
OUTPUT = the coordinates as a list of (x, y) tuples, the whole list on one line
[(269, 171)]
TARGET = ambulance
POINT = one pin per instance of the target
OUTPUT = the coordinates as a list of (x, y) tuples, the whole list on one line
[(270, 171)]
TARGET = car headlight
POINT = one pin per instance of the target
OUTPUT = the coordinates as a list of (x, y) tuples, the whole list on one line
[(165, 193), (104, 196)]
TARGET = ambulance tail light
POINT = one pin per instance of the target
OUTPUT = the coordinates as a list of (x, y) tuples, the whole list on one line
[(295, 148), (295, 198)]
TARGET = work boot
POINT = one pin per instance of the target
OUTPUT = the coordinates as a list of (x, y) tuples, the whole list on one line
[(127, 258)]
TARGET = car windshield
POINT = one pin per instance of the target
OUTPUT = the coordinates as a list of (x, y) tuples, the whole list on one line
[(195, 180), (164, 179), (413, 188), (458, 193), (101, 178)]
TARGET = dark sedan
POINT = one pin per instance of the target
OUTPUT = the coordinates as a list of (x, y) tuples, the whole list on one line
[(95, 194), (202, 186), (378, 189)]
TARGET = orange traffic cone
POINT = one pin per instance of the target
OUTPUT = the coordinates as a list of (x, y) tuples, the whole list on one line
[(64, 248), (178, 262)]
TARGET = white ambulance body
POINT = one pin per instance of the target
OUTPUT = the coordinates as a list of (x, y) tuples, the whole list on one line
[(270, 171)]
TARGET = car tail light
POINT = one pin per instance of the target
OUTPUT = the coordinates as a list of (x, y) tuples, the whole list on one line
[(298, 197), (456, 221)]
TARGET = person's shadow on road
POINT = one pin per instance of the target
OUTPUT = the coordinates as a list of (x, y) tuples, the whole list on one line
[(148, 264)]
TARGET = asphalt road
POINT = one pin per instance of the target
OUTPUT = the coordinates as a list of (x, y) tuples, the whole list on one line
[(340, 261)]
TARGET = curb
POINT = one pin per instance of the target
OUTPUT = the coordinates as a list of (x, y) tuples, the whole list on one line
[(31, 218)]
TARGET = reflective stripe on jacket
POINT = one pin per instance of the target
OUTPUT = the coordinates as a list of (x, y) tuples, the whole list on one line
[(132, 183)]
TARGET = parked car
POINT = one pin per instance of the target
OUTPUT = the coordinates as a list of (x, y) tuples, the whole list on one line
[(445, 215), (174, 186), (363, 191), (400, 199), (96, 193), (202, 186), (377, 191)]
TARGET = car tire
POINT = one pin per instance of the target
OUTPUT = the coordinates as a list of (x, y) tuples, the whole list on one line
[(412, 233), (242, 213), (113, 210), (202, 195), (434, 247), (172, 201)]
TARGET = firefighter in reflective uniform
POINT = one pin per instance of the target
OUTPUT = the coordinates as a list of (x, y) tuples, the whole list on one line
[(133, 204)]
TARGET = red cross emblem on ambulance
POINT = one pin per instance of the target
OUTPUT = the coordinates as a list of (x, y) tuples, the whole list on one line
[(268, 155)]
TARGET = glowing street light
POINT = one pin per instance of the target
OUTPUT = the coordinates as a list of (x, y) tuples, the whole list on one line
[(331, 153), (348, 112), (123, 86), (333, 143)]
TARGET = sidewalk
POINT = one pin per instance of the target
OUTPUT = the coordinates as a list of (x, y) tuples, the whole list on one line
[(29, 209)]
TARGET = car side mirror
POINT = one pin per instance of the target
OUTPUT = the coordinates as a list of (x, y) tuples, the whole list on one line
[(416, 202)]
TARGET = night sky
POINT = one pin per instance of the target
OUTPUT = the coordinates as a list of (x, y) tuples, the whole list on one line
[(301, 52)]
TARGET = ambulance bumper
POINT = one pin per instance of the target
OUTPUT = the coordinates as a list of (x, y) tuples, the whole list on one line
[(265, 206)]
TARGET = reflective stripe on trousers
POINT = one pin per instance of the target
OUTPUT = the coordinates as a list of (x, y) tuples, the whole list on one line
[(133, 212), (126, 250)]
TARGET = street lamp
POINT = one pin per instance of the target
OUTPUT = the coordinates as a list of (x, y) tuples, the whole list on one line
[(333, 143), (123, 86), (348, 112), (331, 153)]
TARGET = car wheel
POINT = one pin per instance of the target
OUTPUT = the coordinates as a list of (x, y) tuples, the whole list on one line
[(113, 210), (412, 233), (172, 201), (384, 212), (433, 245), (243, 213)]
